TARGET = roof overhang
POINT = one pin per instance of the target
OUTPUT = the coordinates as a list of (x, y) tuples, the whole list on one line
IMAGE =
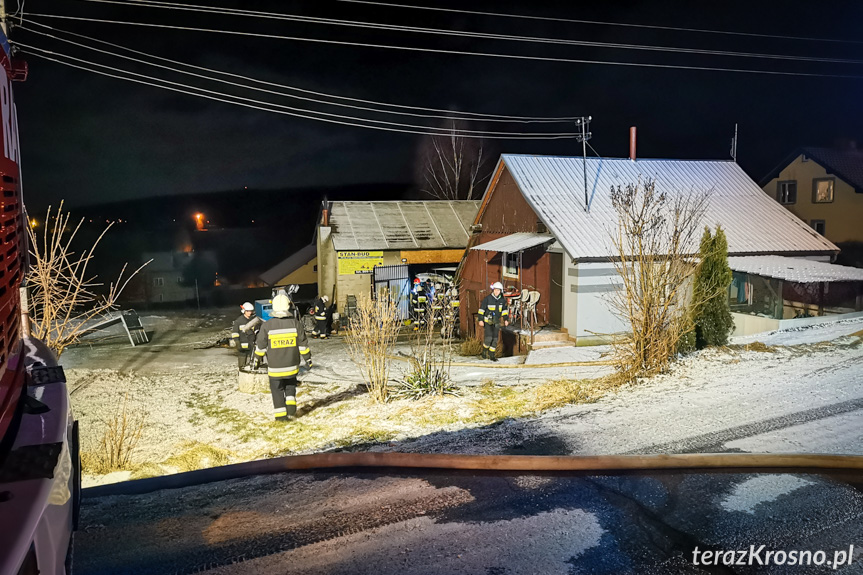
[(794, 269), (514, 242)]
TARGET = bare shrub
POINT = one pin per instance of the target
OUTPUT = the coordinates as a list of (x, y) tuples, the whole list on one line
[(431, 356), (654, 243), (471, 346), (372, 335), (120, 437), (64, 297)]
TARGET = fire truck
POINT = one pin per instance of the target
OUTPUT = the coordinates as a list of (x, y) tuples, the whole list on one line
[(39, 454)]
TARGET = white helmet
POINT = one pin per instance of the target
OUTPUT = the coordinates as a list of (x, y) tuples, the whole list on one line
[(497, 285), (248, 307), (325, 299), (281, 305)]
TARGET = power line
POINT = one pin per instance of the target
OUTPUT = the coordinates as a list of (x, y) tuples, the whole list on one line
[(463, 34), (286, 110), (455, 52), (603, 23), (473, 116)]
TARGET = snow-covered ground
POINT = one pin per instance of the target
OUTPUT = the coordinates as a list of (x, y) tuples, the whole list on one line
[(804, 394), (803, 335)]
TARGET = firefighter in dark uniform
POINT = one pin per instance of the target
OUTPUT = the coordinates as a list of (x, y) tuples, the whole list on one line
[(320, 310), (492, 313), (283, 340), (243, 333)]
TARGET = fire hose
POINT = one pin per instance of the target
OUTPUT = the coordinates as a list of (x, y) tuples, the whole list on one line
[(503, 463)]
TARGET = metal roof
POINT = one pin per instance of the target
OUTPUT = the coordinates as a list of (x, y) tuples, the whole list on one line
[(402, 225), (754, 222), (514, 242), (794, 269), (290, 264)]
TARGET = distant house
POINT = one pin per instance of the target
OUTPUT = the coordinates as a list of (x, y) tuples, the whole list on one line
[(533, 232), (824, 188), (382, 245), (299, 268), (171, 275)]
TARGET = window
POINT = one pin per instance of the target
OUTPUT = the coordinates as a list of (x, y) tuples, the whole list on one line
[(314, 268), (822, 190), (786, 192), (180, 280), (818, 226), (510, 265), (158, 282)]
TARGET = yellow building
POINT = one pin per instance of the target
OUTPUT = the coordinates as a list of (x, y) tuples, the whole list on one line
[(382, 245), (824, 188), (300, 268)]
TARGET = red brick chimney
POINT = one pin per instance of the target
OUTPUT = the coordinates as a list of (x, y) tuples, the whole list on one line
[(632, 143)]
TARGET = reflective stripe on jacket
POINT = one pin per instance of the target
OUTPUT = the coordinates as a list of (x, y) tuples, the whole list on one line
[(493, 309), (283, 341), (245, 339), (320, 309)]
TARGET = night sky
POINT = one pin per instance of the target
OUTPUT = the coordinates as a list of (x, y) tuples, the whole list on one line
[(90, 139)]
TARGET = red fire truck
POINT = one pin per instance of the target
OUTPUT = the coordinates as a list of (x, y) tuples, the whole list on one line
[(39, 459)]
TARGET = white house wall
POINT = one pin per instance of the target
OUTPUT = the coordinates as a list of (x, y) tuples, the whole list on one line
[(589, 288)]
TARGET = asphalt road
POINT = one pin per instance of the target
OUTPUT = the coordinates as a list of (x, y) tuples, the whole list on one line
[(485, 523)]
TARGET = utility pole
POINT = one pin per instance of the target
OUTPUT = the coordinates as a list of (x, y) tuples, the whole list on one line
[(583, 137), (733, 143)]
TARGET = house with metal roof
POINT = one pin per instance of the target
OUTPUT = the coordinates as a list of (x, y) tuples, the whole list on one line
[(383, 245), (300, 268), (824, 188), (546, 224)]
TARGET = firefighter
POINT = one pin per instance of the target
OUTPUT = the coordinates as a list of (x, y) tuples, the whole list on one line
[(320, 310), (492, 313), (283, 340), (243, 333)]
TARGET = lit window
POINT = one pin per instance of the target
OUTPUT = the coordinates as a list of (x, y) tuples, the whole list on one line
[(822, 190), (510, 265), (786, 192)]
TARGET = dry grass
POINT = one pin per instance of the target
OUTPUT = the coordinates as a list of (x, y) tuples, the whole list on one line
[(198, 455), (471, 346), (118, 441), (759, 346)]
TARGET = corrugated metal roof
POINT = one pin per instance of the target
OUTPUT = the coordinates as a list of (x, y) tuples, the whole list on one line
[(794, 269), (514, 242), (402, 225), (753, 221)]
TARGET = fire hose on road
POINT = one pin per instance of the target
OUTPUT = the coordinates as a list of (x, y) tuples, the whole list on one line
[(504, 463)]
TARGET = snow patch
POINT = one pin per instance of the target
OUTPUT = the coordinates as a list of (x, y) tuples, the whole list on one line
[(762, 489)]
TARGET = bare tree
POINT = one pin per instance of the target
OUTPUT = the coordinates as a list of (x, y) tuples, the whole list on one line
[(654, 247), (453, 167), (64, 297)]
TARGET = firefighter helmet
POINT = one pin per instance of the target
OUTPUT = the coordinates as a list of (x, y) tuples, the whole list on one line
[(248, 307), (281, 305), (497, 285), (325, 299)]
